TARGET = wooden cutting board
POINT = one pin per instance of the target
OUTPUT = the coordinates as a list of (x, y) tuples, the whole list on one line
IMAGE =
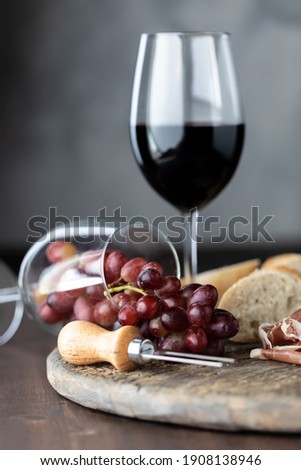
[(247, 395)]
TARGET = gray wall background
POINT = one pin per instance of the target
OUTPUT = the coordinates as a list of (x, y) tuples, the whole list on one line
[(66, 78)]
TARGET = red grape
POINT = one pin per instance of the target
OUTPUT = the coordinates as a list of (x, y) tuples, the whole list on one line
[(131, 269), (105, 314), (199, 314), (113, 265), (75, 292), (174, 319), (148, 306), (61, 302), (156, 328), (120, 299), (175, 301), (60, 250), (48, 314), (223, 325), (149, 279), (128, 315), (154, 265), (173, 342), (196, 340), (215, 347), (170, 286), (188, 290), (206, 295), (144, 329), (84, 308), (95, 292)]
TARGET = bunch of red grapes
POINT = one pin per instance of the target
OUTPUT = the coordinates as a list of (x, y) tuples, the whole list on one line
[(174, 317)]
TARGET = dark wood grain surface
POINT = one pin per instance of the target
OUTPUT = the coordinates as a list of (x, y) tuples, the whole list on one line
[(34, 416)]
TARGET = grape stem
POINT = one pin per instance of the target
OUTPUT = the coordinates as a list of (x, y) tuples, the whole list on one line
[(125, 287)]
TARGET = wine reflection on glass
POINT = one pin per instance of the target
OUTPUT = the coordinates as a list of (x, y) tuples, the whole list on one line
[(186, 122)]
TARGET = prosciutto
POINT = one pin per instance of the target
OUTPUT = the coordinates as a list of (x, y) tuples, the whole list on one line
[(281, 341)]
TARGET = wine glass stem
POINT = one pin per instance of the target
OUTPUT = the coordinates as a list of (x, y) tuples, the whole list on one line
[(190, 249), (9, 294)]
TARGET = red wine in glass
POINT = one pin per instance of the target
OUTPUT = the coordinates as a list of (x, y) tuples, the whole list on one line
[(190, 164), (186, 122)]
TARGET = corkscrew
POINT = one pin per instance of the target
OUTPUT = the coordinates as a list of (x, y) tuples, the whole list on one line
[(84, 343)]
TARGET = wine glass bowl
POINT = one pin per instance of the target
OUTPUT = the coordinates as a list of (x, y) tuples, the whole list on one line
[(11, 313), (186, 119), (58, 267), (66, 274)]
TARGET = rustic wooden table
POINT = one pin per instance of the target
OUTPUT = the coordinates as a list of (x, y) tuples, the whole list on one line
[(34, 416)]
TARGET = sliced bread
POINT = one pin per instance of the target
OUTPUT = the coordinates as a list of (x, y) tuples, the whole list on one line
[(292, 261), (224, 277), (264, 296)]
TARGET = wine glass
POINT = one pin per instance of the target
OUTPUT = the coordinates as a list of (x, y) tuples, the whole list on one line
[(186, 121), (51, 266), (11, 310), (64, 275)]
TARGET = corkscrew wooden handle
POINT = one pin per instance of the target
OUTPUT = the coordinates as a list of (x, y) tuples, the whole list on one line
[(82, 343)]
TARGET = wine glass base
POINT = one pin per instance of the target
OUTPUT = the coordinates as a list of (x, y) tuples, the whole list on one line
[(11, 313)]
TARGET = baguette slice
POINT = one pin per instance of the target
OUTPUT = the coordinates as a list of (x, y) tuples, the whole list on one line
[(265, 296), (285, 260), (224, 277)]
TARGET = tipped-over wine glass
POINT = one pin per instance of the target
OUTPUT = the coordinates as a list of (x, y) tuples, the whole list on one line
[(186, 121), (66, 274)]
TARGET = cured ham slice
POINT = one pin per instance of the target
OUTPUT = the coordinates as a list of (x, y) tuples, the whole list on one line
[(281, 341)]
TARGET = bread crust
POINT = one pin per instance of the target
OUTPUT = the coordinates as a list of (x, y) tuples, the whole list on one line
[(287, 260), (284, 269)]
